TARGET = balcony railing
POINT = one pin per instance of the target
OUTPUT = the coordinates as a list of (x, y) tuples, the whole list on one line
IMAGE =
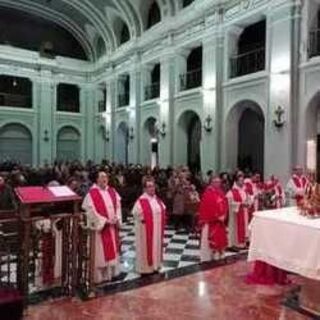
[(152, 91), (15, 100), (102, 106), (190, 80), (314, 43), (248, 62), (124, 99)]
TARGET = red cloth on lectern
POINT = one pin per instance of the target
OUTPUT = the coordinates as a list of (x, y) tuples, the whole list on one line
[(48, 250), (111, 251), (213, 210)]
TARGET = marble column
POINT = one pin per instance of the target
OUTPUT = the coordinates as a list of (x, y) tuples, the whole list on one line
[(46, 105), (110, 113), (211, 105), (87, 107), (134, 111), (281, 44), (166, 114)]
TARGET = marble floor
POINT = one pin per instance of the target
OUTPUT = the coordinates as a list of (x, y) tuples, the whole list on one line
[(219, 293)]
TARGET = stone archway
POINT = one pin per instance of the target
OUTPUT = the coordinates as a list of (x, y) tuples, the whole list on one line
[(68, 144), (16, 143), (189, 140), (245, 127), (122, 143)]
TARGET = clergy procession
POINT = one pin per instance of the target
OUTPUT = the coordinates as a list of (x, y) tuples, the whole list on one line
[(156, 208), (217, 209)]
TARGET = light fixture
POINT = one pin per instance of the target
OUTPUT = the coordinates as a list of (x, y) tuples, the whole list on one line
[(46, 136), (162, 129), (14, 82), (208, 124), (279, 119), (131, 133), (106, 135)]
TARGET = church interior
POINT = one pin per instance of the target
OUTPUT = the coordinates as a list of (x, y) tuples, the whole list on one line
[(156, 149)]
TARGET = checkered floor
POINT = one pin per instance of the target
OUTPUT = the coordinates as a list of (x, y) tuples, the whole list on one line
[(181, 249)]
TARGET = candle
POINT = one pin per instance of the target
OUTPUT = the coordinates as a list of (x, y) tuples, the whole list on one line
[(311, 155)]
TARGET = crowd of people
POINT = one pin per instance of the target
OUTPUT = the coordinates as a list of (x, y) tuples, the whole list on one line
[(218, 207)]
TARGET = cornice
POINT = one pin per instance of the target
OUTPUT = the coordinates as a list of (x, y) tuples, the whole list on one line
[(199, 23)]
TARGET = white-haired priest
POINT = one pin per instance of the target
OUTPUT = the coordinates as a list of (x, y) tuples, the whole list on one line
[(103, 209)]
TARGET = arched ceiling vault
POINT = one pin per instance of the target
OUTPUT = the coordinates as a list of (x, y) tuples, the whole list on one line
[(88, 20)]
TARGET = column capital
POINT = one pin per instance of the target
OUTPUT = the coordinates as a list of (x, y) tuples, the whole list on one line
[(182, 52), (234, 30)]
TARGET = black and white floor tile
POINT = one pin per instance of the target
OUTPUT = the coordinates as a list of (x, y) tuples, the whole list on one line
[(181, 249)]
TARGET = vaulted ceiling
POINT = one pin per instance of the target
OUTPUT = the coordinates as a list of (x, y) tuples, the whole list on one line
[(95, 23)]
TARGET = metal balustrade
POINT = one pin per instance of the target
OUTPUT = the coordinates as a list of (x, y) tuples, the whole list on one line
[(124, 99), (314, 43), (191, 79), (248, 62), (15, 100), (152, 91), (102, 106)]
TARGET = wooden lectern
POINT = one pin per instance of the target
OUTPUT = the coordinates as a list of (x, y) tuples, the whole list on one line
[(41, 212)]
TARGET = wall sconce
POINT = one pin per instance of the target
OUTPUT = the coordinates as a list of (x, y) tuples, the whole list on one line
[(279, 119), (208, 124), (106, 135), (131, 133), (162, 130), (46, 136)]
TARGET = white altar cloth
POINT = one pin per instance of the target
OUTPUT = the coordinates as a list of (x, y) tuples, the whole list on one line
[(286, 240)]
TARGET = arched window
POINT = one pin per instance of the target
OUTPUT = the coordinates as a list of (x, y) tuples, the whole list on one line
[(155, 74), (154, 15), (15, 92), (186, 3), (68, 98), (125, 34), (68, 144), (15, 144), (193, 76)]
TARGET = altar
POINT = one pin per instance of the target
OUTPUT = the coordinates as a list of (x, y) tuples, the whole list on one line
[(289, 241)]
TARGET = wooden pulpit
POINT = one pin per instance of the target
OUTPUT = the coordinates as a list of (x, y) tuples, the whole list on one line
[(48, 220)]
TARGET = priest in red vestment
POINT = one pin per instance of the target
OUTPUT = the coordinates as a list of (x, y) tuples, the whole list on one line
[(103, 209), (263, 273), (149, 214), (296, 186), (239, 203), (213, 213)]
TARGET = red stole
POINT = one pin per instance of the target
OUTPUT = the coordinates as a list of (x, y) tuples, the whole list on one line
[(148, 218), (110, 250), (241, 232)]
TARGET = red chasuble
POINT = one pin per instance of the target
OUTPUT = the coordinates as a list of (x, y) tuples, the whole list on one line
[(213, 207), (110, 250), (148, 218), (241, 232)]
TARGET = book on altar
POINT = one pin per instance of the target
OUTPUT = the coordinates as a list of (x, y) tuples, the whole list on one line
[(61, 191)]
